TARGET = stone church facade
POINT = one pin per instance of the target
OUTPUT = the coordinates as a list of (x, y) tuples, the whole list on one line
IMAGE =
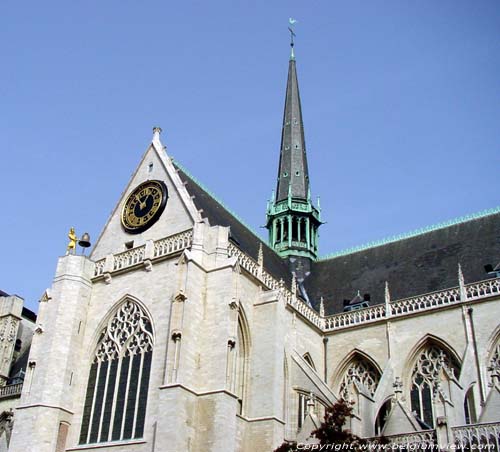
[(185, 331)]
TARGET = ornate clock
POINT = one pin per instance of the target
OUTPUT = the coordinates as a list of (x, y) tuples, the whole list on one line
[(144, 206)]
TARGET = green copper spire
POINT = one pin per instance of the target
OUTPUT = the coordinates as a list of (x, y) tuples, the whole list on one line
[(292, 220)]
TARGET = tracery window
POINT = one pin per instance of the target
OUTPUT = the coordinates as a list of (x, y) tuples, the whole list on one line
[(425, 380), (117, 390), (494, 362), (362, 372)]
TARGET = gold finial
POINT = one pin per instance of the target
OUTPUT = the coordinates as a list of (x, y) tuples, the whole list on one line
[(71, 248)]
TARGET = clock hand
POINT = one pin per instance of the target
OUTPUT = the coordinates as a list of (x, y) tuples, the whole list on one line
[(141, 203)]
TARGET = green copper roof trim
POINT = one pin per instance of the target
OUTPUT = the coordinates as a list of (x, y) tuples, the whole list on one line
[(214, 197), (407, 235)]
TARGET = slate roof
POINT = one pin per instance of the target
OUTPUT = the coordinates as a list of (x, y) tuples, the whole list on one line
[(240, 234), (293, 174), (413, 266)]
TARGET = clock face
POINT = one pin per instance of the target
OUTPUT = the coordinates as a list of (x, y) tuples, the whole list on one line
[(144, 206)]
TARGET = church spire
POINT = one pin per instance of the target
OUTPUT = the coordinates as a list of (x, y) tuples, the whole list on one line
[(292, 173), (292, 220)]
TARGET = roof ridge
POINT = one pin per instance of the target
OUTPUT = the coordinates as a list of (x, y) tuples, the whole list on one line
[(222, 204), (414, 233)]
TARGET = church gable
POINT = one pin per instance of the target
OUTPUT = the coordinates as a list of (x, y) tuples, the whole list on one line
[(179, 213)]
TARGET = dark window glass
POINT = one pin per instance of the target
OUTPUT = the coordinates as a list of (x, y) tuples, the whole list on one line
[(96, 420), (117, 389), (120, 399), (132, 394), (106, 419), (88, 404), (143, 396)]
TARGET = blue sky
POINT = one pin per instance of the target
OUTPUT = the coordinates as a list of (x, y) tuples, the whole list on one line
[(401, 105)]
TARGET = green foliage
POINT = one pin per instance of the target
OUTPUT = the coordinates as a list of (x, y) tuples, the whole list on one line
[(287, 447), (331, 430)]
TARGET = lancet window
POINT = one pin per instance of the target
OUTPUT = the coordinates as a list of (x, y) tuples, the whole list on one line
[(117, 389), (469, 407), (238, 363), (360, 372), (426, 379)]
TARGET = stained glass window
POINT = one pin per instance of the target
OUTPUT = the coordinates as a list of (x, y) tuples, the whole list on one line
[(117, 389)]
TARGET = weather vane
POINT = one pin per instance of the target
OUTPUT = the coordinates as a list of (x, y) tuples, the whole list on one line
[(291, 23)]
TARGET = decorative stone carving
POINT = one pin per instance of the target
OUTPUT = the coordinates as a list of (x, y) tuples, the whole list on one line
[(127, 333), (494, 365), (363, 373)]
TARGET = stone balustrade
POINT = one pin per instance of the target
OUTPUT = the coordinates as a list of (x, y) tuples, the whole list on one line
[(99, 267), (464, 438), (175, 243), (477, 437), (424, 440), (347, 319), (10, 390), (130, 258), (483, 289), (407, 306), (272, 283)]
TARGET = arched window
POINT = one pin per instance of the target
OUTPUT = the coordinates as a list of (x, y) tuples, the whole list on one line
[(238, 360), (117, 390), (425, 379), (469, 407), (382, 416), (494, 361), (360, 371)]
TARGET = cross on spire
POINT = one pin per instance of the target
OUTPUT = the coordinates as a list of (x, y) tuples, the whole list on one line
[(291, 23)]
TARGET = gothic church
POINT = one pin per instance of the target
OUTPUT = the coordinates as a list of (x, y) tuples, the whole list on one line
[(185, 331)]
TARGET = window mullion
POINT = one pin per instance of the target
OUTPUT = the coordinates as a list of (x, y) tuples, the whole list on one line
[(126, 396), (115, 394)]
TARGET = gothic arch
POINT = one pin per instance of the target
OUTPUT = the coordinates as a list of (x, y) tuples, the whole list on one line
[(117, 387), (360, 367), (241, 360), (383, 412), (470, 405), (492, 355), (430, 364), (243, 321), (423, 342), (111, 312)]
